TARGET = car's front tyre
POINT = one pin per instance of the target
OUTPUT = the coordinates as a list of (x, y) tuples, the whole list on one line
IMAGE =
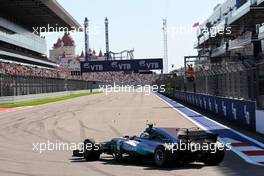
[(90, 154)]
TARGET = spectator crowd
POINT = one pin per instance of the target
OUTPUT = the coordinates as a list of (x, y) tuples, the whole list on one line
[(122, 78), (15, 69)]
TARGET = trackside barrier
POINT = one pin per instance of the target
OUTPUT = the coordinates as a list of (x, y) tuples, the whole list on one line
[(12, 85), (33, 97), (260, 121), (239, 112)]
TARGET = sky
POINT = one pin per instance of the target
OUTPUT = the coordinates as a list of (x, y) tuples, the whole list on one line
[(138, 24)]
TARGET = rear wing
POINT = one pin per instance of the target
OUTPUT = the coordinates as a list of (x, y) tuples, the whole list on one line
[(192, 134)]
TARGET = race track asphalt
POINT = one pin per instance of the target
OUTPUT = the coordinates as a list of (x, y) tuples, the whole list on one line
[(101, 117)]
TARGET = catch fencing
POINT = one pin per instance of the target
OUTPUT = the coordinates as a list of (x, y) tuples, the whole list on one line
[(234, 80)]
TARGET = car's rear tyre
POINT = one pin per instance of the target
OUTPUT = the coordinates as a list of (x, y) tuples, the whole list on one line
[(90, 153), (213, 159), (162, 157)]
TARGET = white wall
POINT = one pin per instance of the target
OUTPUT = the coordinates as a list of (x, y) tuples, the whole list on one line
[(24, 98)]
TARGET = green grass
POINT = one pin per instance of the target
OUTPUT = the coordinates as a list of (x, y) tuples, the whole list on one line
[(45, 101)]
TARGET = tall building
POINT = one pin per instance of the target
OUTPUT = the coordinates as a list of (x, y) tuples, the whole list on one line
[(63, 48), (72, 63), (20, 23)]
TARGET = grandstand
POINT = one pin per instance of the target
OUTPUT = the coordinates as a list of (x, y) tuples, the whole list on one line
[(234, 67), (123, 78), (24, 66)]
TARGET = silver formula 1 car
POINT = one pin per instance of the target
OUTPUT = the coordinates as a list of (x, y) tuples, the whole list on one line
[(165, 146)]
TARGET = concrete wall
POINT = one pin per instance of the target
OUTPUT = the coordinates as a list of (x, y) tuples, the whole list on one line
[(24, 98), (260, 121)]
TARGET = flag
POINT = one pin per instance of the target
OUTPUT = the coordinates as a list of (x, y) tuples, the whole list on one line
[(195, 25)]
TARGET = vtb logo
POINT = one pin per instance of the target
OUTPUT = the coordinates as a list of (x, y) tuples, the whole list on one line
[(210, 104), (205, 104), (224, 108), (216, 106), (234, 111), (86, 65), (246, 114), (114, 64), (142, 63)]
